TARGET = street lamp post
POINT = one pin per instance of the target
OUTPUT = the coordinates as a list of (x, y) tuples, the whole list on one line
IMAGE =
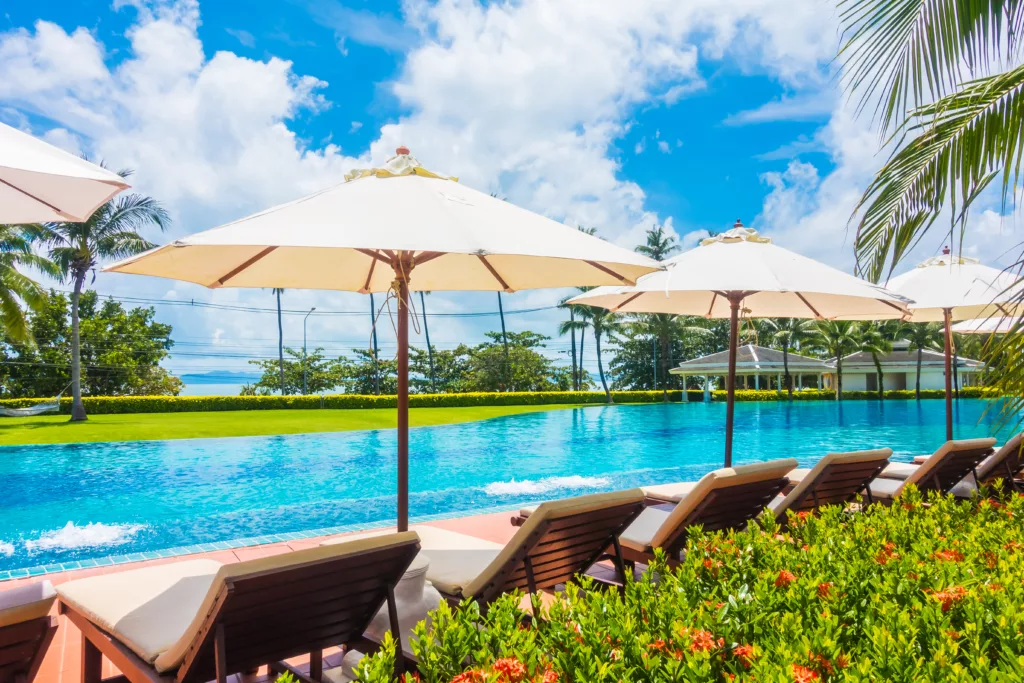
[(304, 350)]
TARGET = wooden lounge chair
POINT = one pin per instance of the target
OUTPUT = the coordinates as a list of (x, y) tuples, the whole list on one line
[(200, 620), (836, 479), (1005, 464), (940, 472), (560, 541), (26, 629)]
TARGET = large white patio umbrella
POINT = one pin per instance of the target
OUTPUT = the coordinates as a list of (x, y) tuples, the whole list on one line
[(397, 228), (739, 270), (947, 288), (985, 326), (40, 182)]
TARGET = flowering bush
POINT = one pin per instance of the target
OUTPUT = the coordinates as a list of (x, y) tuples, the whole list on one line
[(923, 590)]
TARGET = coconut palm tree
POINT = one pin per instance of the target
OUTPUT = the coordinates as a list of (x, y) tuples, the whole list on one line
[(836, 338), (280, 336), (112, 232), (665, 327), (605, 324), (17, 290), (569, 327), (876, 338), (659, 245), (577, 323), (788, 333), (923, 336)]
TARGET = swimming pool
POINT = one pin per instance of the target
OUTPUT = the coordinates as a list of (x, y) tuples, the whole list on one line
[(61, 504)]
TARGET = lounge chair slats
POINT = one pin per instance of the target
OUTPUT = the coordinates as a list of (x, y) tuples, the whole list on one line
[(26, 630), (953, 461)]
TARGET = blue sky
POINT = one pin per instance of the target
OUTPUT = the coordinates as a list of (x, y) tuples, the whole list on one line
[(607, 114)]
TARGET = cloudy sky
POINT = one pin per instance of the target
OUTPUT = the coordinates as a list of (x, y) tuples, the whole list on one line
[(601, 113)]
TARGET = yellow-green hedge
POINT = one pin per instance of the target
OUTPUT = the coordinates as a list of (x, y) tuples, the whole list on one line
[(99, 405)]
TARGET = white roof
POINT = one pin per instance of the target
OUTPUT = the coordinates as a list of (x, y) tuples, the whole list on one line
[(41, 183), (780, 283), (970, 289), (347, 237)]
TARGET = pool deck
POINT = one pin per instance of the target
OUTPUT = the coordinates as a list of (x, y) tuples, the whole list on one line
[(62, 663)]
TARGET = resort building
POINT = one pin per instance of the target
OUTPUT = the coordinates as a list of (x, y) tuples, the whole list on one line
[(757, 367), (899, 370)]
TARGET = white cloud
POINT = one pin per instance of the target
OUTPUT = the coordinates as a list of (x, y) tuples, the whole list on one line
[(664, 147), (639, 147), (241, 35), (355, 126), (817, 105)]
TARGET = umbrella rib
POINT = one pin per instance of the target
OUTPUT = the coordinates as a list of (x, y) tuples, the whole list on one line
[(373, 253), (808, 304), (425, 256), (609, 271), (714, 297), (369, 276), (892, 305), (627, 302), (223, 280), (504, 285), (41, 201)]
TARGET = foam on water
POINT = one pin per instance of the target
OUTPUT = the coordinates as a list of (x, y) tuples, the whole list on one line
[(92, 535), (530, 487), (6, 549)]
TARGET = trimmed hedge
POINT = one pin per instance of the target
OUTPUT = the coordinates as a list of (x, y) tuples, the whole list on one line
[(107, 405)]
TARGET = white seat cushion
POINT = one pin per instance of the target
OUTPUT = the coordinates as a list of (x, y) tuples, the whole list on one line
[(640, 534), (26, 603), (898, 470), (528, 510), (147, 609), (671, 493), (885, 489)]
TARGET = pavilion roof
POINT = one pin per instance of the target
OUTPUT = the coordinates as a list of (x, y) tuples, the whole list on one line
[(751, 359)]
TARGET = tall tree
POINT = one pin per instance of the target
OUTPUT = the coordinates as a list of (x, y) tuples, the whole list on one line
[(876, 338), (659, 245), (430, 350), (922, 337), (604, 324), (280, 340), (666, 330), (112, 232), (17, 290), (786, 334), (570, 327), (836, 338)]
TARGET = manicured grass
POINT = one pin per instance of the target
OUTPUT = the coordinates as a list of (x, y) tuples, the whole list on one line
[(48, 429)]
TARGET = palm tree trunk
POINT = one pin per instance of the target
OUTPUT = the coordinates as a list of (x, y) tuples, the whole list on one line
[(785, 368), (881, 377), (77, 407), (917, 385), (572, 337), (280, 341), (600, 367), (579, 378), (956, 373), (839, 377), (664, 369), (430, 350), (504, 341)]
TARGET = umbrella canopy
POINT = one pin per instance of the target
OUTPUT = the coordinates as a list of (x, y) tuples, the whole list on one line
[(395, 228), (742, 270), (39, 182), (949, 288), (985, 326)]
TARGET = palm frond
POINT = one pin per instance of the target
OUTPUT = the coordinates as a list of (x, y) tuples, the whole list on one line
[(900, 54), (118, 245), (133, 212), (12, 317), (961, 141)]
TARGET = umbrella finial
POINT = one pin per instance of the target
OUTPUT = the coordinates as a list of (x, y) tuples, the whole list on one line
[(945, 251), (738, 223), (402, 150)]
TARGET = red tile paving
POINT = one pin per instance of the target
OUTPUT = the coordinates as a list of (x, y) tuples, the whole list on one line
[(63, 659)]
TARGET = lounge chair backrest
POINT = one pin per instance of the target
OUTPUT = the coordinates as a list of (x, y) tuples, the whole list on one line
[(279, 607), (947, 466), (26, 630), (559, 540), (1005, 462), (724, 499), (835, 480)]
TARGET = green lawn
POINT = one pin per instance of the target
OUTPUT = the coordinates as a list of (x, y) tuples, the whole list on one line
[(47, 429)]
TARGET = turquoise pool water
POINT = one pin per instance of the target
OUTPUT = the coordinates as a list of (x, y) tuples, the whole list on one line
[(61, 504)]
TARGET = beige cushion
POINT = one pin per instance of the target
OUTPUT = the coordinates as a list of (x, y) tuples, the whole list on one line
[(796, 476), (158, 611), (898, 470), (809, 480), (528, 510), (640, 534), (885, 489), (729, 476), (26, 603), (147, 609), (925, 469), (670, 493), (549, 511)]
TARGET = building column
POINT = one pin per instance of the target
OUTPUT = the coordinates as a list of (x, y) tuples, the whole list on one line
[(707, 389), (819, 381), (757, 382), (778, 384)]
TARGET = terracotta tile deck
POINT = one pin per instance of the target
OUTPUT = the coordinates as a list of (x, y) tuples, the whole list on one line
[(63, 659)]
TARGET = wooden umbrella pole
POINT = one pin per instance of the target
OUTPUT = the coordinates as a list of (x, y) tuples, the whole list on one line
[(402, 269), (947, 345), (730, 381)]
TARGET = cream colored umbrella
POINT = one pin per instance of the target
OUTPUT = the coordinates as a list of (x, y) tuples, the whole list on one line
[(396, 228), (947, 288), (742, 271), (985, 326), (41, 183)]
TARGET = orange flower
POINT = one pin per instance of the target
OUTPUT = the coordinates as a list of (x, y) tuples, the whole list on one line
[(703, 641), (784, 578), (955, 635), (949, 597), (842, 661), (825, 590), (744, 653), (549, 677), (887, 553), (803, 515), (659, 644), (471, 676), (510, 668), (948, 556), (801, 674)]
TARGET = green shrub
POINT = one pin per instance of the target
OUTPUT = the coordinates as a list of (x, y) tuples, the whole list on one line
[(913, 592)]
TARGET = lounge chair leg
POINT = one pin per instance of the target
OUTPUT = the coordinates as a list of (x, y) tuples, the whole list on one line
[(220, 655), (396, 633), (92, 662), (316, 665), (867, 489), (620, 566), (814, 494), (531, 584)]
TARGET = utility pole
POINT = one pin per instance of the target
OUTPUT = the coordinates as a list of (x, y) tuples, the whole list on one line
[(304, 392), (430, 351), (504, 340), (572, 336), (376, 365)]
